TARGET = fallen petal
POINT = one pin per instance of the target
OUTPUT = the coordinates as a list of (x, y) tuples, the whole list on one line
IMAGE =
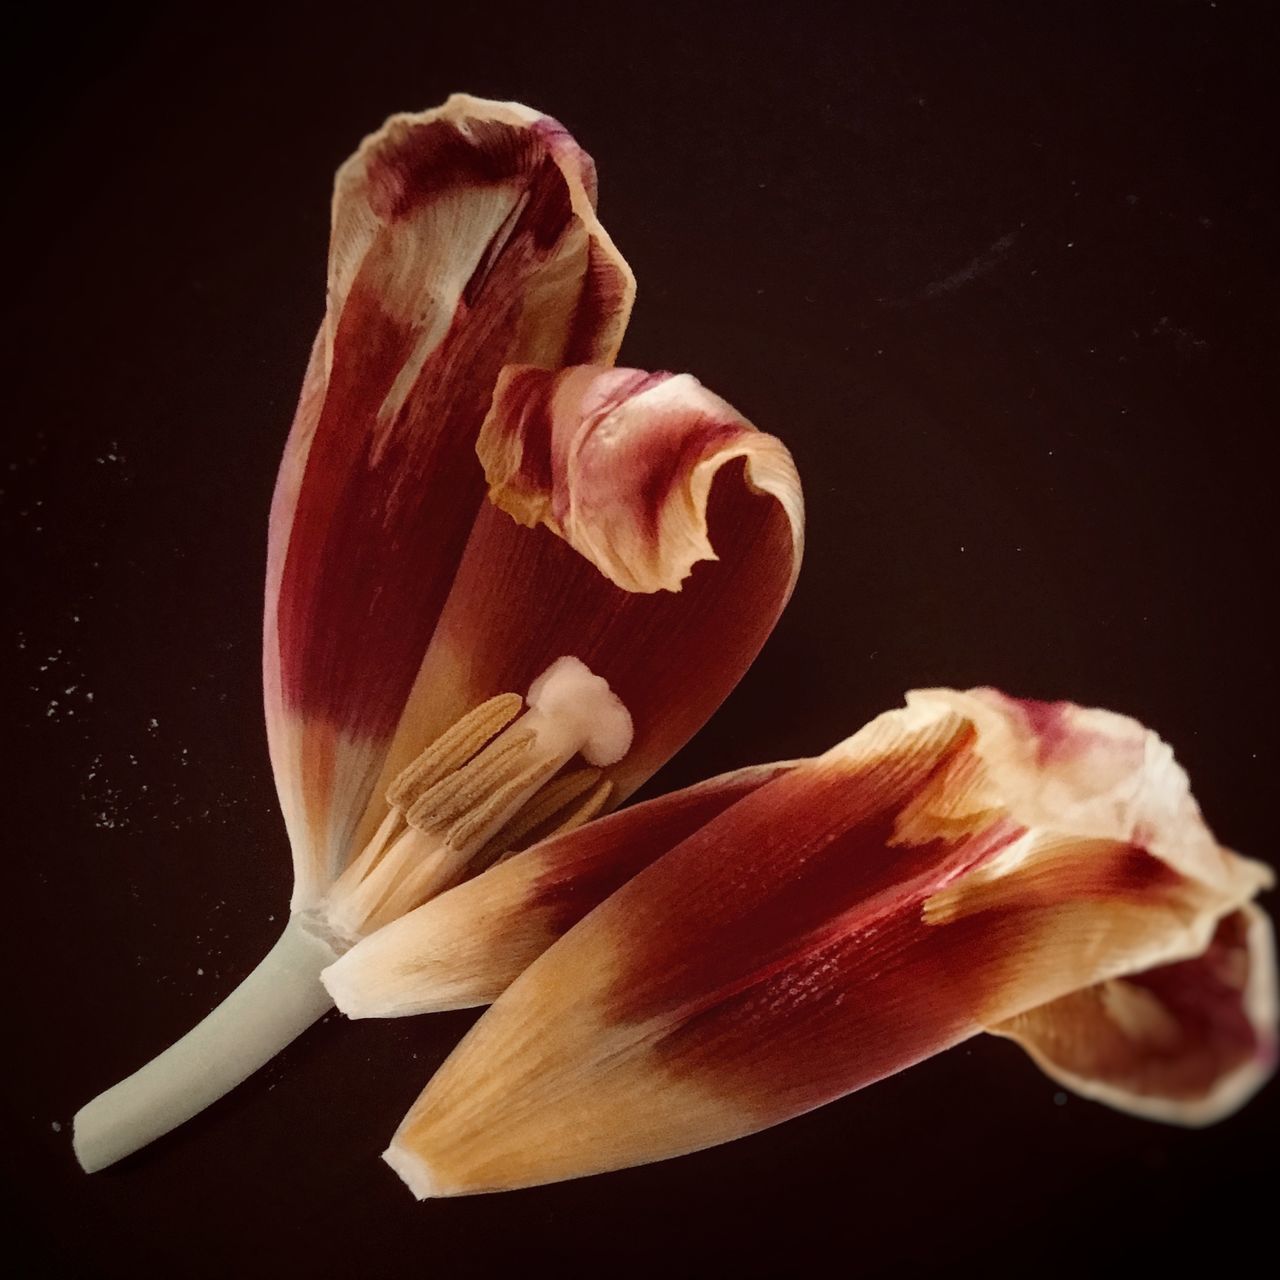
[(463, 239), (467, 946), (952, 866)]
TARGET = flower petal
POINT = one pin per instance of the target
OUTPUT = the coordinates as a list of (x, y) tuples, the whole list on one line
[(467, 946), (939, 873), (463, 239), (620, 464), (1187, 1043), (1101, 774), (523, 597)]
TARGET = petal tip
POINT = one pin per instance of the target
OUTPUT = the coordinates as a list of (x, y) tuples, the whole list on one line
[(414, 1172), (620, 464), (345, 992)]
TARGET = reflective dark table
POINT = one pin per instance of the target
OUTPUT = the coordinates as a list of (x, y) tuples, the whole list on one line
[(1003, 276)]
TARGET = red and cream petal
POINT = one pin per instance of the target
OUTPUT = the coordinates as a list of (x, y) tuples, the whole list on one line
[(620, 464), (1098, 773), (666, 476), (1187, 1043), (467, 946), (463, 239), (921, 882)]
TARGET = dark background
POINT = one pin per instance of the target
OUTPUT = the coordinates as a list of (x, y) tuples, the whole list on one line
[(1004, 278)]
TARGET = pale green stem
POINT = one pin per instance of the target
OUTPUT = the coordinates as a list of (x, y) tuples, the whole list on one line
[(278, 1001)]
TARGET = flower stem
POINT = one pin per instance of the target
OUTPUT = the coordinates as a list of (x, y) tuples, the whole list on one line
[(279, 1000)]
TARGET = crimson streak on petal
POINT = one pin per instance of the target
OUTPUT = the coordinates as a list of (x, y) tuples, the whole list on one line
[(468, 945), (523, 597), (663, 537), (878, 993), (463, 239), (371, 532), (579, 871)]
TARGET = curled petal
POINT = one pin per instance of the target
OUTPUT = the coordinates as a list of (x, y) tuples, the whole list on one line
[(1100, 774), (522, 597), (463, 239), (1187, 1043), (947, 869), (467, 946), (620, 464)]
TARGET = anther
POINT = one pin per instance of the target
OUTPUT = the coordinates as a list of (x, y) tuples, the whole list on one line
[(570, 818), (480, 822), (577, 817), (449, 799), (527, 826), (454, 748)]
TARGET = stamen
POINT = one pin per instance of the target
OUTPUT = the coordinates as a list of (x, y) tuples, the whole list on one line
[(484, 788), (583, 814), (447, 800), (354, 901), (527, 826), (570, 820), (454, 748), (371, 855), (556, 795), (468, 833)]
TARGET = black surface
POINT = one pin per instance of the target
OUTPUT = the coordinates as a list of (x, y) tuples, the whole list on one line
[(1003, 277)]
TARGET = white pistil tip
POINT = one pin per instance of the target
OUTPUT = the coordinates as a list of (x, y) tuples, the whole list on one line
[(413, 1172), (581, 703)]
